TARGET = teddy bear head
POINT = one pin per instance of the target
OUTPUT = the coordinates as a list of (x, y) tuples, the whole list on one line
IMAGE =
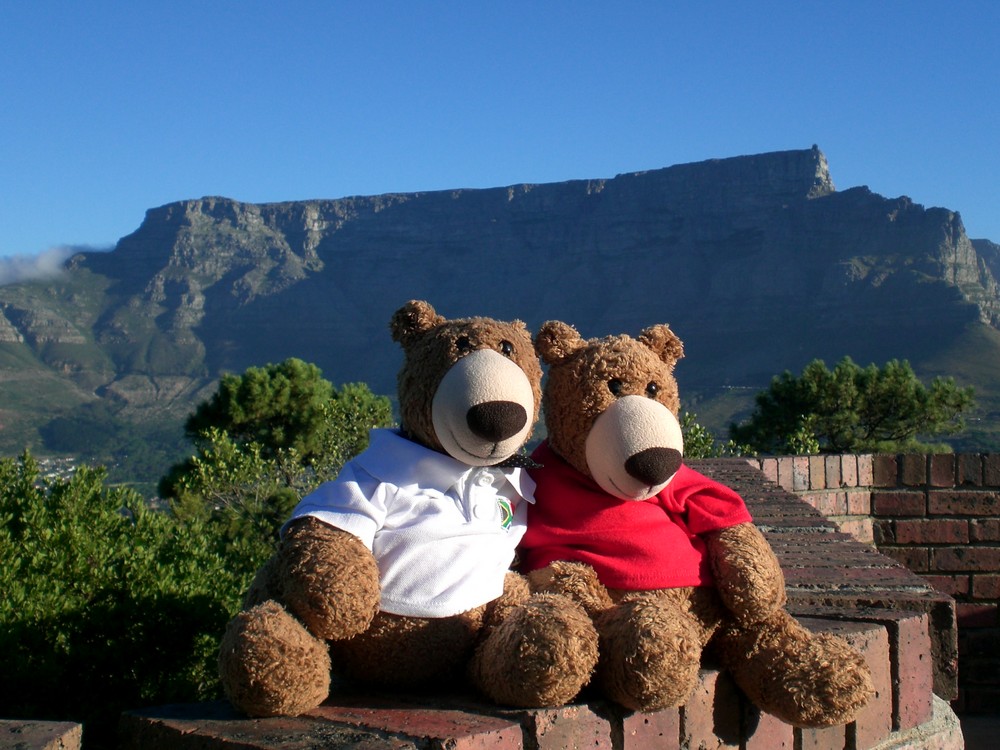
[(611, 406), (468, 387)]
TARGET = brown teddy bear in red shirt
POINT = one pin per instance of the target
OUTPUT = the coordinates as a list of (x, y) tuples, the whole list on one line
[(664, 559)]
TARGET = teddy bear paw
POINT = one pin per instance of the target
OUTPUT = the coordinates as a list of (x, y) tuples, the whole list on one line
[(650, 655), (823, 684), (576, 580), (805, 679), (270, 665), (542, 654)]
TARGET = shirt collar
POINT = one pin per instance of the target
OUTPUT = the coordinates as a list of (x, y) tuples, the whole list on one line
[(392, 458)]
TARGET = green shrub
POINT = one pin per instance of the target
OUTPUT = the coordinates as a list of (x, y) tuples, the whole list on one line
[(106, 604), (699, 442)]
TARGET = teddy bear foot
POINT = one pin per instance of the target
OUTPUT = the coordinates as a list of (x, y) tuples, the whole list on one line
[(542, 654), (804, 679), (271, 665), (650, 655)]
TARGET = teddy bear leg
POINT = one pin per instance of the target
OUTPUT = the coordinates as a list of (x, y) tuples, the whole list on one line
[(804, 679), (270, 665), (398, 652), (541, 654), (650, 654)]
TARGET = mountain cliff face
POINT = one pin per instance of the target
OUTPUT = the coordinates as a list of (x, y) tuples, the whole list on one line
[(757, 262)]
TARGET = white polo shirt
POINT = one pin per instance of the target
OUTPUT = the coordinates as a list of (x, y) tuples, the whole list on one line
[(442, 532)]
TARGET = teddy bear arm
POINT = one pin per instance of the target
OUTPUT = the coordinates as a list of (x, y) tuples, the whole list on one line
[(576, 580), (746, 571), (329, 579)]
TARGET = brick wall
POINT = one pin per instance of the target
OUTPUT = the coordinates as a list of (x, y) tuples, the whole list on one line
[(938, 515)]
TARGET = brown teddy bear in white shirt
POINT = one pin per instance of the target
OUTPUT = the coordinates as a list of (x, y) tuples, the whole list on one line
[(396, 573)]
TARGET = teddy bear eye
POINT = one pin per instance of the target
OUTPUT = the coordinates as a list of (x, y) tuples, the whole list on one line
[(652, 389), (463, 344), (506, 348), (615, 386)]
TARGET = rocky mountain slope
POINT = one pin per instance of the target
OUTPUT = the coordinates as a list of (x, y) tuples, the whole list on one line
[(757, 262)]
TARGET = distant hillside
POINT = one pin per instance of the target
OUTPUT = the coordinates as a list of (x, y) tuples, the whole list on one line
[(757, 262)]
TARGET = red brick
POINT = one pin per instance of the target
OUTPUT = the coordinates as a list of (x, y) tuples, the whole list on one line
[(832, 470), (941, 470), (969, 469), (763, 731), (971, 559), (874, 722), (916, 559), (568, 726), (865, 470), (986, 586), (659, 729), (913, 471), (932, 531), (963, 503), (884, 531), (884, 470), (849, 470), (900, 503), (800, 473), (460, 730), (40, 735), (859, 503), (912, 667), (984, 530), (991, 469), (860, 528), (828, 503), (828, 738), (976, 615), (216, 725), (785, 473), (953, 585), (769, 468), (817, 473), (912, 664), (711, 716)]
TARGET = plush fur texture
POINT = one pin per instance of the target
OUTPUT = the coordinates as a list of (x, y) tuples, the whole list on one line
[(479, 380), (651, 642)]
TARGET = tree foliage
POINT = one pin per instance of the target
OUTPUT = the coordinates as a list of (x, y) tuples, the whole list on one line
[(853, 409), (279, 407), (107, 605), (267, 437)]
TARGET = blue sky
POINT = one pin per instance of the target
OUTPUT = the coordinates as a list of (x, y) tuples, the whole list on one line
[(110, 108)]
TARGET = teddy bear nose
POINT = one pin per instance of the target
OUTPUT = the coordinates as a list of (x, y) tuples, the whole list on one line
[(496, 420), (654, 465)]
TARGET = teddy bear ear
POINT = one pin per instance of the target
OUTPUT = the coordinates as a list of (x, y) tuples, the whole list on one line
[(413, 318), (663, 342), (556, 341)]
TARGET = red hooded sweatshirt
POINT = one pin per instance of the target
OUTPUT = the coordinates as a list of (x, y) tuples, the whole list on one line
[(632, 544)]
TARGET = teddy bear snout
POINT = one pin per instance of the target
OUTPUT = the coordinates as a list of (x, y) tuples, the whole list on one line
[(496, 420), (653, 466)]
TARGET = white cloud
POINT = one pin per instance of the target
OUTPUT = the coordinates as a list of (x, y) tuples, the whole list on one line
[(44, 265)]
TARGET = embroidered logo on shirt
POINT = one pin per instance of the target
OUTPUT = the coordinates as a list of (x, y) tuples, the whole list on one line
[(506, 513)]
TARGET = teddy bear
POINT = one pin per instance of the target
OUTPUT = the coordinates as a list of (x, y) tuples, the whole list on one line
[(666, 561), (397, 573)]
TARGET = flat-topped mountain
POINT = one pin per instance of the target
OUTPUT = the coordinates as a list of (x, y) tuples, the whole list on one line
[(757, 262)]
